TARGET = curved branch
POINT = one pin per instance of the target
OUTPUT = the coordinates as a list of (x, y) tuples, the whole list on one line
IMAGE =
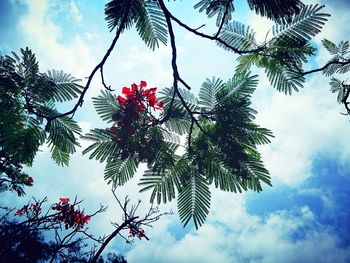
[(345, 99), (223, 18), (215, 37), (176, 75), (343, 63), (103, 80), (113, 235), (92, 74)]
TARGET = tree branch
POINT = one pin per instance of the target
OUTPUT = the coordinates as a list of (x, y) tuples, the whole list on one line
[(113, 235), (92, 74), (223, 18), (325, 66), (215, 37), (345, 99), (103, 80), (176, 75)]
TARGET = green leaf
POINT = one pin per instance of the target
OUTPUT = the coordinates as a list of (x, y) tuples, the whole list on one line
[(241, 85), (330, 46), (337, 87), (60, 157), (304, 25), (62, 139), (105, 105), (179, 121), (162, 185), (103, 147), (180, 126), (194, 199), (208, 93), (238, 36), (115, 11), (189, 98), (277, 10), (22, 144), (120, 171), (151, 24), (66, 87), (216, 7), (283, 78), (343, 48)]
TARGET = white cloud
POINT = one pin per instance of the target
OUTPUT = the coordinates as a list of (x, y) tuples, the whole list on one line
[(246, 238), (305, 124), (261, 26), (141, 62), (75, 11), (43, 36)]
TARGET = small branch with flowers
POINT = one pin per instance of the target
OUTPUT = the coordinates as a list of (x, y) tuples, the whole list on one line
[(65, 219), (68, 223), (132, 222)]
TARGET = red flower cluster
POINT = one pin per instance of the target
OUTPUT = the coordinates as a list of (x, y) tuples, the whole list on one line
[(133, 117), (64, 200), (33, 208), (69, 216), (30, 180), (140, 233), (21, 211), (139, 97)]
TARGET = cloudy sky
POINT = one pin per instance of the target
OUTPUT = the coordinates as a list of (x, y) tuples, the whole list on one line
[(304, 217)]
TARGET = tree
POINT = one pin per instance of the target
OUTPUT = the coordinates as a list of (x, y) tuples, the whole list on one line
[(221, 137), (23, 237)]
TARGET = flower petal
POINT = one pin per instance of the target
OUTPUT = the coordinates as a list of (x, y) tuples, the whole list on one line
[(121, 99), (143, 84)]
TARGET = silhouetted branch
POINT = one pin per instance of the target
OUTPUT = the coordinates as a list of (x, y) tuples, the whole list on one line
[(223, 18), (131, 221), (176, 75), (325, 67), (215, 37), (345, 99), (103, 80), (99, 66)]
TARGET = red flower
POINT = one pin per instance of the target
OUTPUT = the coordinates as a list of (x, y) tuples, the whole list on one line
[(133, 88), (159, 106), (121, 99), (141, 107), (127, 92), (152, 99), (20, 212), (30, 180), (113, 129), (153, 90), (36, 208), (64, 200), (146, 92), (143, 84)]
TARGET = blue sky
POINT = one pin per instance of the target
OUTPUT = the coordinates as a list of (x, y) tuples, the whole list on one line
[(304, 217)]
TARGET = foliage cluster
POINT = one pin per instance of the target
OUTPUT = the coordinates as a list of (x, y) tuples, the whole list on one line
[(188, 142)]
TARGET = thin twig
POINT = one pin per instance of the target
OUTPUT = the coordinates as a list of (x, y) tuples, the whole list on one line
[(80, 101), (325, 66), (215, 38), (103, 80), (110, 237), (223, 18)]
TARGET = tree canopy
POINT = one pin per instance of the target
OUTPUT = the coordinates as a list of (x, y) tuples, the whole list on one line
[(188, 142)]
